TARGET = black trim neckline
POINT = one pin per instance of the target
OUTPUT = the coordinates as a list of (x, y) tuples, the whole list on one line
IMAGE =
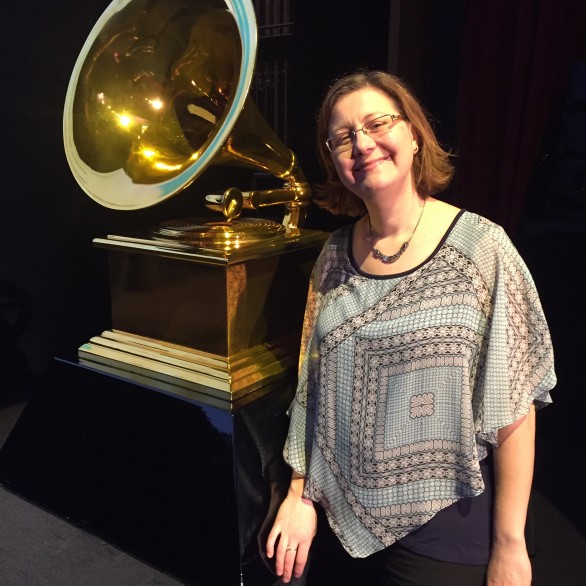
[(404, 273)]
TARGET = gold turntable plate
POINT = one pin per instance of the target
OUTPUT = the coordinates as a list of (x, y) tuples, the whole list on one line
[(223, 234)]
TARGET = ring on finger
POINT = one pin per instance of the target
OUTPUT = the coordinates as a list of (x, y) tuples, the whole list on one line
[(290, 549)]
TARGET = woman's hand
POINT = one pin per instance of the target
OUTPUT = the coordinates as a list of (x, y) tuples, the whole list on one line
[(509, 565), (295, 527)]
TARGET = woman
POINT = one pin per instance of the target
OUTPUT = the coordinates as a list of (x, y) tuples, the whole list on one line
[(425, 352)]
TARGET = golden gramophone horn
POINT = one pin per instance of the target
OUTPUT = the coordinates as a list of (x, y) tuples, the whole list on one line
[(158, 93)]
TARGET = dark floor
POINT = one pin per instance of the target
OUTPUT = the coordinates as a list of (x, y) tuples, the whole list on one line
[(39, 549)]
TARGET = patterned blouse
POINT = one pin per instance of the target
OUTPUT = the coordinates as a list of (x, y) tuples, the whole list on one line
[(405, 380)]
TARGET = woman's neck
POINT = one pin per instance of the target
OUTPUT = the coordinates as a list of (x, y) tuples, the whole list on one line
[(393, 216)]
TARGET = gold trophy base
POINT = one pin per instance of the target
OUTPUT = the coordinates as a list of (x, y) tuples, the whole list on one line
[(221, 323), (137, 357)]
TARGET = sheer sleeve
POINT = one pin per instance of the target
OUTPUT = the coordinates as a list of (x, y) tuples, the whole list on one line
[(516, 359), (298, 442), (328, 275)]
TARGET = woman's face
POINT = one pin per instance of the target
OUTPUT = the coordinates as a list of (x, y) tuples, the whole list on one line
[(372, 165)]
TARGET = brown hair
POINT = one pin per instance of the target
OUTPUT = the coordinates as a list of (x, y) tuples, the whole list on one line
[(432, 170)]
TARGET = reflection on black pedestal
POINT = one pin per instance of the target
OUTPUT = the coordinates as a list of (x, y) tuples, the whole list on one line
[(169, 477)]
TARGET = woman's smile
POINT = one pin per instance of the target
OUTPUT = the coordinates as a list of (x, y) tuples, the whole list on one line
[(365, 166)]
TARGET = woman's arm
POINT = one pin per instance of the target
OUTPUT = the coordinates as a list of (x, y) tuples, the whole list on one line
[(295, 527), (509, 563)]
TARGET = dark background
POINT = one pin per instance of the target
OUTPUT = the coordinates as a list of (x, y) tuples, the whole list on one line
[(504, 82)]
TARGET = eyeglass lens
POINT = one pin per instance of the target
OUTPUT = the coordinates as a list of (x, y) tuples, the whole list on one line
[(376, 127)]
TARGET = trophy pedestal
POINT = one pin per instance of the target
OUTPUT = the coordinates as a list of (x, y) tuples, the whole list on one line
[(218, 322), (165, 438), (176, 478)]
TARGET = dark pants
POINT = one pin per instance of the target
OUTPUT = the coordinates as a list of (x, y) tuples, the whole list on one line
[(395, 566)]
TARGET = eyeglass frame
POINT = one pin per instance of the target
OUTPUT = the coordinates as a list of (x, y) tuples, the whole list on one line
[(363, 129)]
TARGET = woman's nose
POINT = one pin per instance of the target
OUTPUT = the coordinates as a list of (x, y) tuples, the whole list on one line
[(363, 142)]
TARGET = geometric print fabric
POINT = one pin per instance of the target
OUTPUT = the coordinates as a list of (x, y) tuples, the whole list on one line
[(405, 381)]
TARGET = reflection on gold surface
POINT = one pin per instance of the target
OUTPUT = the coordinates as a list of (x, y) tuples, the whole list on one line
[(228, 236), (230, 323), (158, 93), (229, 377), (159, 85)]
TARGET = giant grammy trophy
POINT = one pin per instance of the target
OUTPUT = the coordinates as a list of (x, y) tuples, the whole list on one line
[(158, 94), (163, 435)]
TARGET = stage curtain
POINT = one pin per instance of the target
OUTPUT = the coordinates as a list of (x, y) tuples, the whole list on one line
[(516, 56)]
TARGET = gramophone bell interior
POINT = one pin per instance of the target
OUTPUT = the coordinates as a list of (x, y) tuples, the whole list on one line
[(155, 92), (159, 92)]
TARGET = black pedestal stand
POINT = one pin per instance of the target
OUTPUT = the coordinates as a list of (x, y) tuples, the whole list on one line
[(177, 479)]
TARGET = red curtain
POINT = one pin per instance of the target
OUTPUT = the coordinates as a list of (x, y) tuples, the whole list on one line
[(516, 59)]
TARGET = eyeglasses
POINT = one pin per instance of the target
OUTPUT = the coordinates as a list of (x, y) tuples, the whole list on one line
[(378, 126)]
